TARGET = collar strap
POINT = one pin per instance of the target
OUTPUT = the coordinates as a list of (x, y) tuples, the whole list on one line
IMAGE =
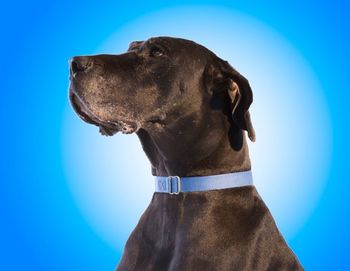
[(176, 184)]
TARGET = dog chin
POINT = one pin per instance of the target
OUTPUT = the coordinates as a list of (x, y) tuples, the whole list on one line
[(106, 131), (111, 128), (106, 127)]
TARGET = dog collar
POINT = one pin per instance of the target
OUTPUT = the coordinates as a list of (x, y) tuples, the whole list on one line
[(176, 184)]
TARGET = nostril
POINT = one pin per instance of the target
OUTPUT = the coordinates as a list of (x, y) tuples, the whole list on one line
[(79, 64), (75, 67)]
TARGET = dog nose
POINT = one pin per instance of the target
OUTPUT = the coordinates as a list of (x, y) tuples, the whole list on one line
[(79, 64)]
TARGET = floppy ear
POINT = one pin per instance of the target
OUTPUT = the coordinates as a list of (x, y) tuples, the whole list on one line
[(240, 105), (239, 93)]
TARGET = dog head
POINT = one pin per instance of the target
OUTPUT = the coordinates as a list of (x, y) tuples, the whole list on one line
[(156, 83)]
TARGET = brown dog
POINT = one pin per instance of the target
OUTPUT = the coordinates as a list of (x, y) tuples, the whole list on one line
[(189, 109)]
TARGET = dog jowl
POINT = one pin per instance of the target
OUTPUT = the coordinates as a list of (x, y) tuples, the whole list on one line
[(190, 110)]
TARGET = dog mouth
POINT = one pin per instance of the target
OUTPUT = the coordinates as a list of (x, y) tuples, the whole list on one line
[(106, 127)]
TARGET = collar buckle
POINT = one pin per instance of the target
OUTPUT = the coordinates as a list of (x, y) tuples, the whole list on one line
[(174, 180)]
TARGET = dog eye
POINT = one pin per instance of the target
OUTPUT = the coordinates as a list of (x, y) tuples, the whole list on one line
[(155, 52)]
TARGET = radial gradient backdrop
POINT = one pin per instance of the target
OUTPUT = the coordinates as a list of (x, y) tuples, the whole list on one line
[(70, 197)]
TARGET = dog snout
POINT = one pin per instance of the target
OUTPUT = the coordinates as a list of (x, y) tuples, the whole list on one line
[(79, 64)]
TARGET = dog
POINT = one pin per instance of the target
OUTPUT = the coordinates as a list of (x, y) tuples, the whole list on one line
[(190, 110)]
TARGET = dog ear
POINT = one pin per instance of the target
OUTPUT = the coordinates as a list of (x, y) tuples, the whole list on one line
[(241, 98), (225, 78)]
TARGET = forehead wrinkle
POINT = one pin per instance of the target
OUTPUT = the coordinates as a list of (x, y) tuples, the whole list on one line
[(159, 42)]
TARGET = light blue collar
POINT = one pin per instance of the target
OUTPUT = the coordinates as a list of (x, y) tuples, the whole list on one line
[(176, 184)]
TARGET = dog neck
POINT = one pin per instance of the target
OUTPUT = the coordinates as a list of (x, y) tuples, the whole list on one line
[(211, 147)]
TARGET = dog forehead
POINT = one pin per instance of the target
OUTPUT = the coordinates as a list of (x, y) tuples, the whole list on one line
[(177, 48), (134, 45), (172, 42), (154, 40), (166, 41)]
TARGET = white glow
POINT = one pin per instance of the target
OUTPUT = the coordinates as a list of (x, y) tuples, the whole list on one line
[(111, 177)]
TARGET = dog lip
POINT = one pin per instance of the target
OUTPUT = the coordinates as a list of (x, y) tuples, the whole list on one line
[(81, 109), (107, 127), (125, 126)]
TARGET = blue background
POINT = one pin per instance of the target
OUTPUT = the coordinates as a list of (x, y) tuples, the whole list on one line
[(42, 225)]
